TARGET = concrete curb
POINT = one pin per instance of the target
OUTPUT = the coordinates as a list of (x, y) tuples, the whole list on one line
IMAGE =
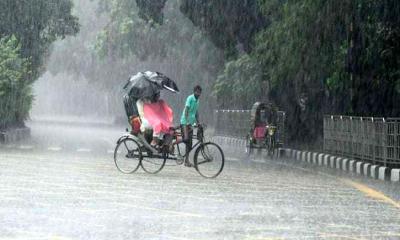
[(327, 160), (395, 175), (343, 164)]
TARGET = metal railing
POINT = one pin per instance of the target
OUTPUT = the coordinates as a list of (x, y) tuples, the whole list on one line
[(375, 140), (237, 123), (232, 123)]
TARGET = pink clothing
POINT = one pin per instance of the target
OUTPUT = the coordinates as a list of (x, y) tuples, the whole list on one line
[(159, 115), (259, 132)]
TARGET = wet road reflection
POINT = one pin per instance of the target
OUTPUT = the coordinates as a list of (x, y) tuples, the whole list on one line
[(49, 194)]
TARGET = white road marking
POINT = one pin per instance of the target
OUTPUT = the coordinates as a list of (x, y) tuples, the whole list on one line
[(258, 160), (54, 149), (84, 150), (26, 147), (361, 187), (160, 210), (232, 159)]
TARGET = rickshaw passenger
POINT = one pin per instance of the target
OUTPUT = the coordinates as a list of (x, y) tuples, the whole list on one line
[(132, 113), (144, 123), (159, 117), (264, 117)]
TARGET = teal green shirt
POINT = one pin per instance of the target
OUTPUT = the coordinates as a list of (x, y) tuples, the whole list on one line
[(192, 104)]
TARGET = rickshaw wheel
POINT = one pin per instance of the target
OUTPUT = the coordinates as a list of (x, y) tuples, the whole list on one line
[(270, 146), (209, 160), (153, 163), (127, 156)]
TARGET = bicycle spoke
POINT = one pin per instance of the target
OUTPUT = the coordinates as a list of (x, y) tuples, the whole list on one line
[(153, 164), (125, 159), (126, 146), (209, 160)]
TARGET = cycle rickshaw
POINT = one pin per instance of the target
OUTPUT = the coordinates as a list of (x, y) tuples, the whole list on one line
[(133, 149), (266, 128)]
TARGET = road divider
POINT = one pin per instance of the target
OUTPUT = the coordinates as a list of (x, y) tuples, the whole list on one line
[(343, 164), (321, 159)]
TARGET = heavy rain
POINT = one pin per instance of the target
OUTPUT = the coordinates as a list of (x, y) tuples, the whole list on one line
[(184, 119)]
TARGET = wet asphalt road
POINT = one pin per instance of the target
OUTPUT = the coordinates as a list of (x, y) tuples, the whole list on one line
[(62, 184)]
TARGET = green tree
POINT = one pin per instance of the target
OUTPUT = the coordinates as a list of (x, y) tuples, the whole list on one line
[(230, 24), (240, 84), (36, 26), (33, 27), (15, 92), (321, 57)]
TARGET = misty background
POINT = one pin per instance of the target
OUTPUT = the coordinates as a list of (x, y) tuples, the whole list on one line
[(70, 58), (85, 75)]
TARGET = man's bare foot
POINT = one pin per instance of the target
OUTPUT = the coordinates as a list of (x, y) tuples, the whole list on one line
[(188, 164)]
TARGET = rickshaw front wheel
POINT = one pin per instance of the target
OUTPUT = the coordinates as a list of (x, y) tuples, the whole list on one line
[(153, 163), (209, 160), (248, 146)]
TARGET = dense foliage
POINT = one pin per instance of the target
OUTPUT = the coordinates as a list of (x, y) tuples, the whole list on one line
[(241, 79), (36, 26), (15, 92), (230, 24), (32, 27), (129, 43), (323, 57), (320, 57), (151, 10)]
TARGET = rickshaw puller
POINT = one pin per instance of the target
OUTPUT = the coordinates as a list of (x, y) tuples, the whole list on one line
[(190, 116)]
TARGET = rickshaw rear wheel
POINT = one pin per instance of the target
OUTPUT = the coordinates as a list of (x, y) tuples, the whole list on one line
[(127, 156), (270, 146), (153, 163)]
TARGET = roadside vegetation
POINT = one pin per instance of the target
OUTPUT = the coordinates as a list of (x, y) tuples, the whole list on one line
[(310, 58), (27, 31)]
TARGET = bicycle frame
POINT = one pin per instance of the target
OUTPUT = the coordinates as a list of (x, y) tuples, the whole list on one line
[(177, 133), (138, 152), (155, 154)]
